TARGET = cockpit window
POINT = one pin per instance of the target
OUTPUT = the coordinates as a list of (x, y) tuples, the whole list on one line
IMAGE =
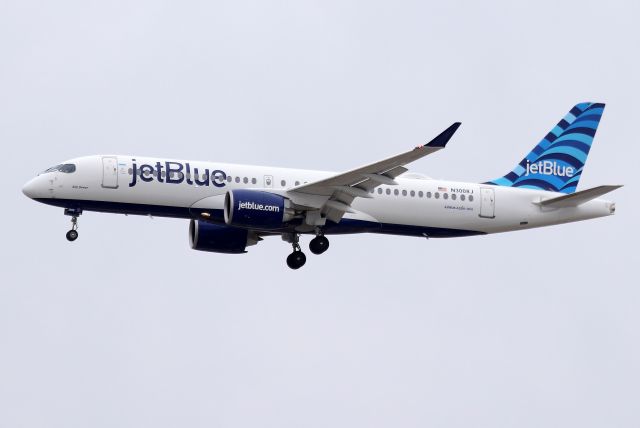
[(52, 169), (67, 168)]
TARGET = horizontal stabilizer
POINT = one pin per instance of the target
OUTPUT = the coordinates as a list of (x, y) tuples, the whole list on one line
[(577, 198)]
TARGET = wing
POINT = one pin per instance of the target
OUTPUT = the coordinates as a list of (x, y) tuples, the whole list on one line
[(343, 188)]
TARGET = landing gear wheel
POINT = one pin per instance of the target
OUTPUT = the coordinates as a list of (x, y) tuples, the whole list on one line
[(296, 260), (72, 235), (319, 244)]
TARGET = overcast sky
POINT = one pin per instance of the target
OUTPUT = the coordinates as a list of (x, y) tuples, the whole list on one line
[(128, 327)]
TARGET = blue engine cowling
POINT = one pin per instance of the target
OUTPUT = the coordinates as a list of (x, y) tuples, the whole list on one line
[(255, 209), (204, 236)]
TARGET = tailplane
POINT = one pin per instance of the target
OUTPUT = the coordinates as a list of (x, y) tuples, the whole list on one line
[(556, 163), (578, 198)]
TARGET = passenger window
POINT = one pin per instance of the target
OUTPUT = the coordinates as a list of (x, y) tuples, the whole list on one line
[(130, 171), (229, 178), (254, 181), (388, 191), (413, 193), (429, 195), (297, 183), (420, 194), (462, 197), (283, 183), (396, 192), (470, 198), (445, 196), (437, 195), (379, 191), (237, 179), (404, 193), (453, 196), (245, 180)]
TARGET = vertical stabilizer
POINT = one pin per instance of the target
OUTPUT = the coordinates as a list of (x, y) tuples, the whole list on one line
[(556, 163)]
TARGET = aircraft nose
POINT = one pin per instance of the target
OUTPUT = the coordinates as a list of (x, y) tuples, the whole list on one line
[(32, 188)]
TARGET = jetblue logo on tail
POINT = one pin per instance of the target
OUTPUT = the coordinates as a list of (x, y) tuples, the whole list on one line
[(549, 168), (556, 163)]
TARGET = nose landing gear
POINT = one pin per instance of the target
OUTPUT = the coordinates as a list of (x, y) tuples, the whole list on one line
[(72, 235)]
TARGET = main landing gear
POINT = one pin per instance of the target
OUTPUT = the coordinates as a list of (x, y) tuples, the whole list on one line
[(319, 244), (72, 235), (297, 259)]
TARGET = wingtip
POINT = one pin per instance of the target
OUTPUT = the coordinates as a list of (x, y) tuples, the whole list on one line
[(444, 137)]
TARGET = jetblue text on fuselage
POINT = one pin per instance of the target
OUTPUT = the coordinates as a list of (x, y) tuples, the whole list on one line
[(548, 167), (176, 173), (250, 205)]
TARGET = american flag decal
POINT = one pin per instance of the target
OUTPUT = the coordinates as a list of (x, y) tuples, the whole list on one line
[(442, 189)]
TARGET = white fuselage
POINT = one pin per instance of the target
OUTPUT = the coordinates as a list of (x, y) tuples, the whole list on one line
[(415, 206)]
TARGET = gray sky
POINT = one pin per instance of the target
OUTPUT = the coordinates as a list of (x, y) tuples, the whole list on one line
[(128, 327)]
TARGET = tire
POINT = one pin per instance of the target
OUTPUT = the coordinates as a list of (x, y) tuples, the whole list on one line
[(319, 245), (72, 235), (296, 260)]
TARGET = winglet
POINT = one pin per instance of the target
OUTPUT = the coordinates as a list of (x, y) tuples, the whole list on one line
[(444, 137)]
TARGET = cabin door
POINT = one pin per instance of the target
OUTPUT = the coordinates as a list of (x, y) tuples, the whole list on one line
[(487, 203), (110, 172)]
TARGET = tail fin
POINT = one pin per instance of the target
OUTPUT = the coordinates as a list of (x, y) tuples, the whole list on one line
[(556, 163)]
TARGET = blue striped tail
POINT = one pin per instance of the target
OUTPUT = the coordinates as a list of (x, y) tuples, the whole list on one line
[(556, 163)]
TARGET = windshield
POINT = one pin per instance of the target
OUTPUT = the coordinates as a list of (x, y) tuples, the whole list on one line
[(67, 168)]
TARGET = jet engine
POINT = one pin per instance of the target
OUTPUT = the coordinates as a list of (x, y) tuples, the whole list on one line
[(204, 236), (255, 209)]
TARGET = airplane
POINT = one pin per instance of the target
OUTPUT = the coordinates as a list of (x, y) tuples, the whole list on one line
[(232, 207)]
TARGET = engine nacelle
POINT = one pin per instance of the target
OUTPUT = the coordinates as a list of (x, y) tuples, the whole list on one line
[(256, 209), (204, 236)]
